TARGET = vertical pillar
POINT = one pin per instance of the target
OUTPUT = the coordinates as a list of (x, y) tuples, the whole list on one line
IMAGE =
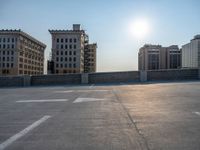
[(84, 78), (143, 76), (27, 80)]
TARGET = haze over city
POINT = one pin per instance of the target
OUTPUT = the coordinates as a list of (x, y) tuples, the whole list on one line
[(120, 28)]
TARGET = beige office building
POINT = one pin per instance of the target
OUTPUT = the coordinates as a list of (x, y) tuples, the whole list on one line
[(20, 53), (68, 47), (156, 57), (191, 53)]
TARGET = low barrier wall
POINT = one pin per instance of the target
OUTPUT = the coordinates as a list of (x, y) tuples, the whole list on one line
[(104, 77), (114, 77)]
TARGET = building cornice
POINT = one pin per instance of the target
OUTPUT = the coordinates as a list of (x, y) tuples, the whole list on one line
[(20, 32)]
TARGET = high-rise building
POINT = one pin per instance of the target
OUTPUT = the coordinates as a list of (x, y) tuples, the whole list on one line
[(155, 57), (191, 53), (20, 53), (90, 58), (68, 48)]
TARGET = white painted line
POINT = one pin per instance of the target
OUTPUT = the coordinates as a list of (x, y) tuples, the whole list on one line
[(22, 133), (79, 100), (91, 86), (42, 100), (197, 113), (81, 91)]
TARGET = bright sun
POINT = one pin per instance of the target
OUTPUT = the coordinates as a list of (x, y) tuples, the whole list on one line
[(139, 28)]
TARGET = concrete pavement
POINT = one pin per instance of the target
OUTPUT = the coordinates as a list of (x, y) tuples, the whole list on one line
[(109, 117)]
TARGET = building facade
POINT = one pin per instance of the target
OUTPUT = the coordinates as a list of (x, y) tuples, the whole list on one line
[(156, 57), (90, 58), (191, 53), (68, 47), (20, 53)]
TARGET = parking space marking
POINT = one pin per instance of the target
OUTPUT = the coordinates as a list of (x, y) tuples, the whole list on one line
[(22, 133), (42, 100), (81, 91), (91, 86), (197, 113), (79, 100)]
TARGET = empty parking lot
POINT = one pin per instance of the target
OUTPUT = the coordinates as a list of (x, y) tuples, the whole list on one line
[(101, 117)]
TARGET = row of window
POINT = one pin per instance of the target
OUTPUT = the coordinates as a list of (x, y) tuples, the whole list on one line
[(65, 59), (29, 67), (6, 65), (66, 40), (30, 72), (7, 40), (7, 46), (6, 52), (65, 46), (65, 52), (66, 66), (6, 58)]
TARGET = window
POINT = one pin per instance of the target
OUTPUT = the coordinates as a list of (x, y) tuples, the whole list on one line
[(8, 58), (61, 59), (70, 52), (61, 46), (8, 65), (12, 52), (57, 59), (65, 65), (74, 52), (56, 65), (74, 40), (4, 40), (70, 46), (3, 52), (70, 65), (8, 40), (0, 46), (4, 46), (13, 40), (66, 47), (0, 39), (65, 52), (13, 45), (66, 40), (74, 65), (74, 58), (11, 65), (70, 59), (56, 71), (57, 40), (61, 65), (61, 53), (3, 58), (8, 52), (57, 46), (70, 40), (57, 52), (74, 46), (61, 40), (65, 58)]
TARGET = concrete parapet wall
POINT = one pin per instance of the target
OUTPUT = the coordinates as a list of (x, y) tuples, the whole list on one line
[(11, 81), (176, 74), (56, 79), (114, 77), (96, 78)]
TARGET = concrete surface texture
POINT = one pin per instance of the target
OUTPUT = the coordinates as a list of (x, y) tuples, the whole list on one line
[(108, 117)]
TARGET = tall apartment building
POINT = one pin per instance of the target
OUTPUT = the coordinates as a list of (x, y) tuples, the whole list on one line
[(191, 53), (155, 57), (20, 53), (68, 48)]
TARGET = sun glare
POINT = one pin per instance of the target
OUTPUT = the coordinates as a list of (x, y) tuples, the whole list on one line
[(139, 28)]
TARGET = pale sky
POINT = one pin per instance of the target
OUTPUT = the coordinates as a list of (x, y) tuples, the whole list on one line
[(107, 22)]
